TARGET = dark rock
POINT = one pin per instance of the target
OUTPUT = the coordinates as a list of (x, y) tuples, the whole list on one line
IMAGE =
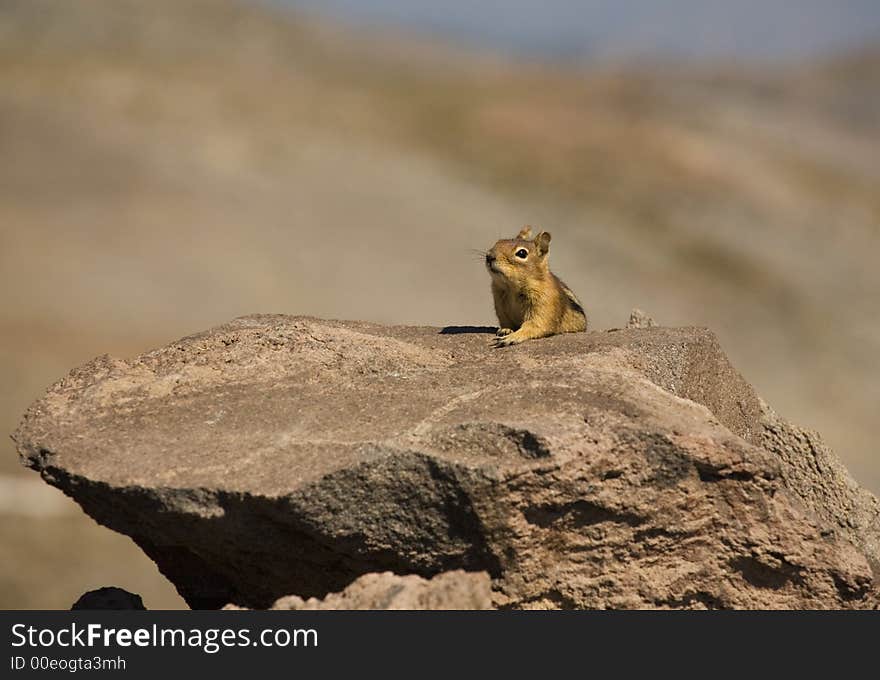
[(287, 455), (109, 597)]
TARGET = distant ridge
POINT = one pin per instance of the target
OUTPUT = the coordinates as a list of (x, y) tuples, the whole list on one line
[(749, 29)]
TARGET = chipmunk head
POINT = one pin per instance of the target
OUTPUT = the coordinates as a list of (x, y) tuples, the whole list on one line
[(521, 258)]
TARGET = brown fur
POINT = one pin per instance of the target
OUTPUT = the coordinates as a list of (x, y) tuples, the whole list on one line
[(530, 300)]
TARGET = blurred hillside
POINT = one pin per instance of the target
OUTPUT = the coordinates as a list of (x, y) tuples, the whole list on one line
[(173, 164)]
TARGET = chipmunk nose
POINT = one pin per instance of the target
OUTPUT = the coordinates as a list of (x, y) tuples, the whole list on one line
[(490, 258)]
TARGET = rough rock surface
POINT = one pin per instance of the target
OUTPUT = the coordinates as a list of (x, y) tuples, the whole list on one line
[(449, 590), (109, 597), (287, 455), (816, 475), (638, 319)]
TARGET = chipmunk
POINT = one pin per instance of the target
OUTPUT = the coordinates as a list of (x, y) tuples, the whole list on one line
[(530, 300)]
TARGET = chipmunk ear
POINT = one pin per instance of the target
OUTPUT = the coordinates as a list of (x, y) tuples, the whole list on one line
[(525, 233), (542, 240)]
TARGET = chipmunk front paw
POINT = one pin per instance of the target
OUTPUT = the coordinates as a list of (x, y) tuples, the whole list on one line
[(510, 338), (501, 332)]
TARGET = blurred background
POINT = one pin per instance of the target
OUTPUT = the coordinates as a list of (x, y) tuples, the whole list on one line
[(168, 165)]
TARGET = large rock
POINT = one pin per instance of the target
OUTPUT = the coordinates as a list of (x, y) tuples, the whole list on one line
[(285, 455)]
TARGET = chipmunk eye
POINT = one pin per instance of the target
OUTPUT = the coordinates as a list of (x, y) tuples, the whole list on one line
[(522, 253)]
